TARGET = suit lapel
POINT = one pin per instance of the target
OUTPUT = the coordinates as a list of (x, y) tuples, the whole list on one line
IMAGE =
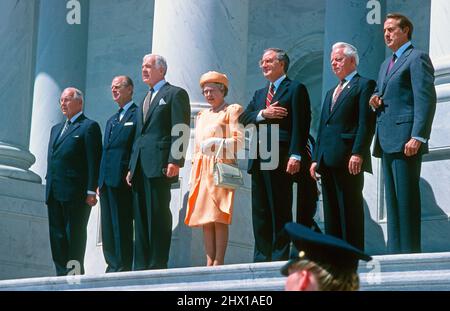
[(327, 104), (56, 133), (118, 128), (71, 128), (107, 131), (396, 66), (155, 102), (282, 89), (347, 89)]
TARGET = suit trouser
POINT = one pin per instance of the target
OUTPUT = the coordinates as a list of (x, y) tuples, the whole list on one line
[(343, 204), (402, 176), (117, 227), (307, 196), (271, 210), (67, 228), (152, 221)]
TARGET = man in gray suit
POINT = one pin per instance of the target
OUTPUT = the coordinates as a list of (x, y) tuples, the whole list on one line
[(405, 103)]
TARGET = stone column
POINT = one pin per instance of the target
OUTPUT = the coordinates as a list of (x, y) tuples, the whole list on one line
[(24, 246), (351, 21), (196, 36), (435, 173), (17, 30), (60, 62), (360, 23), (440, 56)]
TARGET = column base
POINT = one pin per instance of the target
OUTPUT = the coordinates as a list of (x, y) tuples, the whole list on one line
[(15, 162)]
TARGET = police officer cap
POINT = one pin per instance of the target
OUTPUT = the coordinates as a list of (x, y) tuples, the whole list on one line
[(323, 249)]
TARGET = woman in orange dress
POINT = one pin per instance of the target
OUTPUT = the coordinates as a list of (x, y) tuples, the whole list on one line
[(217, 138)]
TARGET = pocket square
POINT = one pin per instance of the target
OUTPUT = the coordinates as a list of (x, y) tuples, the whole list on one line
[(162, 102), (128, 123)]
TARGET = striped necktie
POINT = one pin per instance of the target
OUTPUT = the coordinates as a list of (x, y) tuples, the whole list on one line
[(270, 95), (337, 93), (64, 129)]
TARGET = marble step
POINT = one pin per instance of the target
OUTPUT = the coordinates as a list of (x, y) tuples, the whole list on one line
[(389, 272)]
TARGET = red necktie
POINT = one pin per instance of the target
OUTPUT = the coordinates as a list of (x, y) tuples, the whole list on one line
[(270, 94)]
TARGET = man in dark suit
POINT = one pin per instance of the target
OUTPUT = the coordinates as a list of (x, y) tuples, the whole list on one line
[(342, 152), (405, 103), (159, 149), (115, 194), (282, 112), (74, 153)]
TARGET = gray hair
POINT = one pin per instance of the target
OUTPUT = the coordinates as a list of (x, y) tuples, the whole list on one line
[(77, 94), (220, 86), (349, 50), (160, 61), (281, 56)]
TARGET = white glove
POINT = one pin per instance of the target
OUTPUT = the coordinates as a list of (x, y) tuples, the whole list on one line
[(208, 143)]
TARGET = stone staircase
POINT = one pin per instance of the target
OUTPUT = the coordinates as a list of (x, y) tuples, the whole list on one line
[(385, 273)]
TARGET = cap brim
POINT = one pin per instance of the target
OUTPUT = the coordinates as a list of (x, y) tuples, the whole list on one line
[(285, 268)]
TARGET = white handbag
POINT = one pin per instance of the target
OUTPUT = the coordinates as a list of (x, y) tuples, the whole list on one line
[(227, 175)]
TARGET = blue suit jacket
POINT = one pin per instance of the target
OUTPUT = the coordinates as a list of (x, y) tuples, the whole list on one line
[(294, 128), (117, 146), (348, 129), (73, 160), (409, 102)]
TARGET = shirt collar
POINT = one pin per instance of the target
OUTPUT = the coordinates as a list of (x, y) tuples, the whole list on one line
[(75, 117), (402, 49), (159, 85), (278, 82), (127, 106), (350, 76)]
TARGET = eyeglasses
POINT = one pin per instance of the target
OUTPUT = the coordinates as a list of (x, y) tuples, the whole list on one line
[(269, 61), (210, 91)]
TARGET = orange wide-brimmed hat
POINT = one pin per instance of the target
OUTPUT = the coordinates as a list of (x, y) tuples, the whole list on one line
[(213, 77)]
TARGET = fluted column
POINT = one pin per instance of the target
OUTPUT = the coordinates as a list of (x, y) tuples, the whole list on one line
[(17, 22), (196, 36), (60, 62)]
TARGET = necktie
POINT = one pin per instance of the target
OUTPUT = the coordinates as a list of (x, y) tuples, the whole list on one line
[(270, 94), (391, 63), (115, 121), (147, 101), (337, 93), (65, 127)]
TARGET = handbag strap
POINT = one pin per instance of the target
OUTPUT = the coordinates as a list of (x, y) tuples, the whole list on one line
[(219, 150)]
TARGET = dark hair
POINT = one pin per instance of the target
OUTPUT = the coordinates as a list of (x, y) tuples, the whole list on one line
[(281, 56), (403, 22)]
